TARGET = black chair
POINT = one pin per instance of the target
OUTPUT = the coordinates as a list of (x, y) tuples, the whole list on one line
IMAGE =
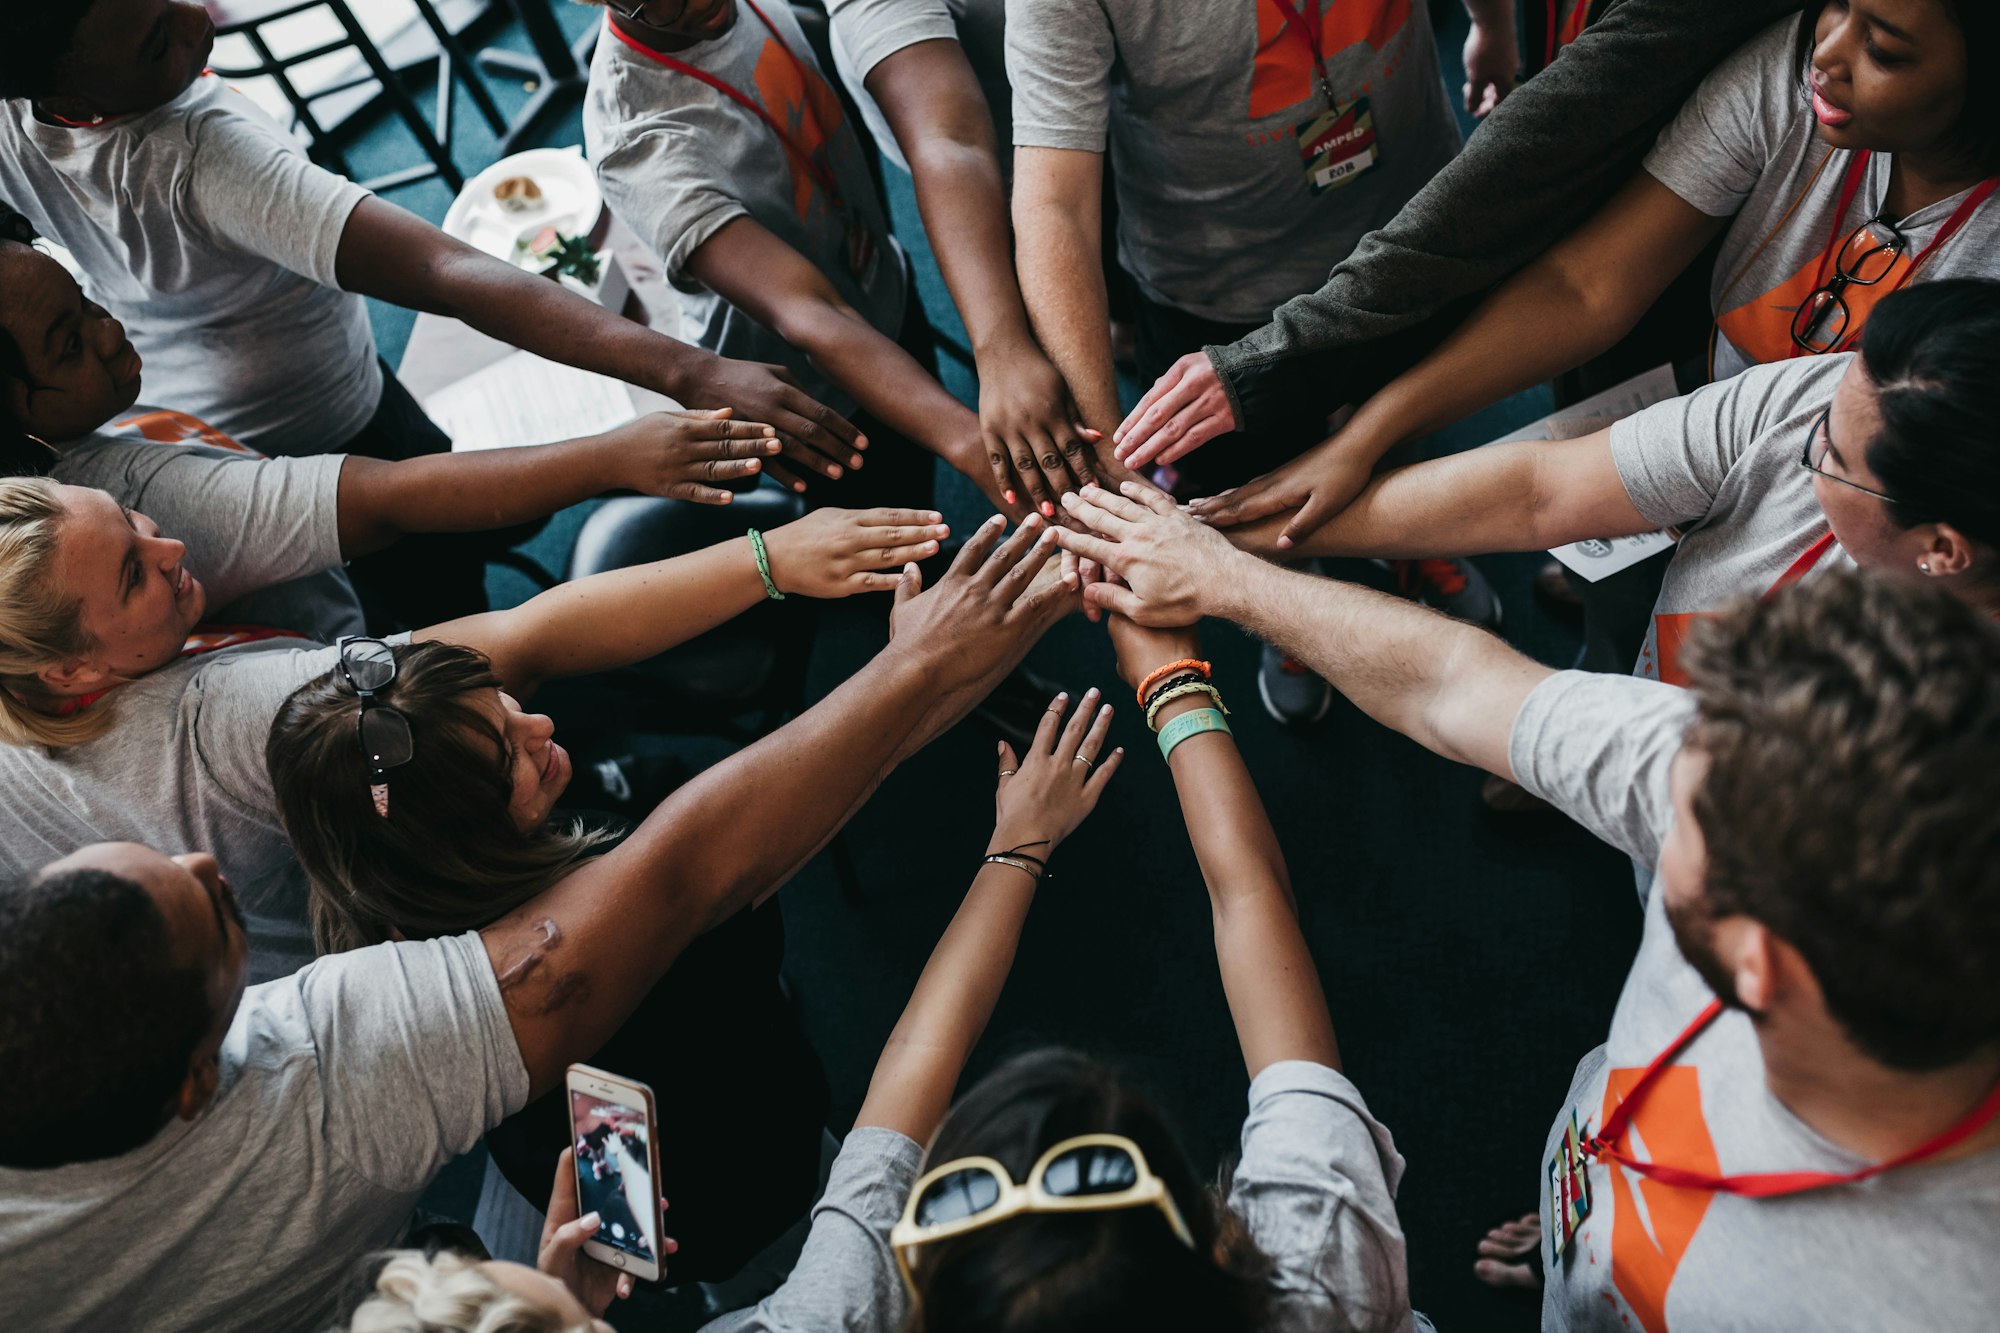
[(249, 18)]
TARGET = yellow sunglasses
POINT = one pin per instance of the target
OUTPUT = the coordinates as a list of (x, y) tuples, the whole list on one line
[(1091, 1173)]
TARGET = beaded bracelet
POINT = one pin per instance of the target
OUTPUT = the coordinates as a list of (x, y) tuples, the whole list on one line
[(1190, 724), (1173, 692), (1178, 678), (764, 566), (1189, 663)]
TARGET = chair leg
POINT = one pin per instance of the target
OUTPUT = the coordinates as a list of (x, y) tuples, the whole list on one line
[(399, 97), (454, 62), (323, 149)]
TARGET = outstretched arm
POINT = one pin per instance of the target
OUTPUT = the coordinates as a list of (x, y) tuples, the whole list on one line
[(1043, 796), (781, 289), (1058, 199), (1035, 444), (1267, 971), (1449, 686), (573, 961), (398, 257), (627, 615), (687, 456), (1526, 495)]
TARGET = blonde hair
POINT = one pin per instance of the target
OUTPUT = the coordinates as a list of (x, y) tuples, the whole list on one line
[(40, 624), (447, 1294)]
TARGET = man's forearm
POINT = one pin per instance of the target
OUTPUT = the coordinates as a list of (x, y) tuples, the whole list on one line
[(489, 488), (1450, 686), (1062, 281)]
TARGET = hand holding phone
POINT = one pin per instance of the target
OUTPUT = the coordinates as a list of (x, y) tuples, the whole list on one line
[(613, 1169)]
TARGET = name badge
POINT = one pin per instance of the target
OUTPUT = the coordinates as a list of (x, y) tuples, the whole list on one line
[(1569, 1187), (1337, 146)]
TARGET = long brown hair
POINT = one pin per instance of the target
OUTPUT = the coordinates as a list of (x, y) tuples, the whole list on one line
[(447, 857)]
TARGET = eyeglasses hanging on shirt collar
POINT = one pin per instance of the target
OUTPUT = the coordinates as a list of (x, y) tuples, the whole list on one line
[(1819, 442), (1867, 256), (636, 12)]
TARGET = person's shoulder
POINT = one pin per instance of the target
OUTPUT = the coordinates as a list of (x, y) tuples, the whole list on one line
[(1775, 392)]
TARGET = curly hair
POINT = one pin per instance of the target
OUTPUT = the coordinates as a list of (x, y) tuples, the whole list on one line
[(1852, 729), (21, 454), (39, 37)]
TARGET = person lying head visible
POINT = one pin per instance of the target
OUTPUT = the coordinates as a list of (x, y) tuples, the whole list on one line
[(469, 832), (120, 971)]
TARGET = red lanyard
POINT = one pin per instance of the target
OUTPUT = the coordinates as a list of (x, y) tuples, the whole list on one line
[(814, 168), (1310, 32), (201, 639), (1851, 186), (1801, 566), (1767, 1184)]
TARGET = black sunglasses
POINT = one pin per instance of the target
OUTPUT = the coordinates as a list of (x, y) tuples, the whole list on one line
[(368, 665)]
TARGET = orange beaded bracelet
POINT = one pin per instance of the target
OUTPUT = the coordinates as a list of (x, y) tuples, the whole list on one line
[(1185, 664)]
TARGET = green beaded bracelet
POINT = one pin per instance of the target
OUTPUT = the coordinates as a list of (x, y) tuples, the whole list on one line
[(1191, 723), (764, 566)]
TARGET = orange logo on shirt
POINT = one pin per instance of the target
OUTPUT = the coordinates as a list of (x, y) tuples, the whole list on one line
[(1647, 1243), (809, 110), (1762, 328), (166, 427), (1284, 75)]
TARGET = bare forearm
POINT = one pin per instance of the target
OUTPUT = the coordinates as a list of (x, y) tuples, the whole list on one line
[(612, 619), (490, 488), (1062, 281), (954, 998), (1451, 687), (1493, 14)]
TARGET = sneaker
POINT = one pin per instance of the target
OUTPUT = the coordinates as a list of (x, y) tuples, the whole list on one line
[(1450, 585), (1292, 694), (627, 785), (1557, 595)]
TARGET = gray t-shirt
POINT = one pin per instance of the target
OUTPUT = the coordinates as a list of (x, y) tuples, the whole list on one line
[(1910, 1249), (344, 1090), (1746, 144), (222, 500), (204, 227), (679, 160), (1200, 102), (1722, 464), (1315, 1187), (867, 32)]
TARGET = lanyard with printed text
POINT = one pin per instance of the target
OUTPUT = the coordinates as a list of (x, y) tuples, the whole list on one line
[(1767, 1184), (1310, 32), (1851, 186), (821, 176)]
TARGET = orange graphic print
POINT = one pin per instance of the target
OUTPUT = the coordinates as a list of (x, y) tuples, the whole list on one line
[(1284, 75), (1670, 635), (1762, 328), (800, 101), (1650, 1230), (165, 427)]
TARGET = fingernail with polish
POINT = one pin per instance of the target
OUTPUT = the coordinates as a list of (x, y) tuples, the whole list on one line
[(1008, 496)]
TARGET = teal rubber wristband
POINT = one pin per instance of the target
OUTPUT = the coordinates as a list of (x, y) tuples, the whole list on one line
[(764, 566), (1191, 723)]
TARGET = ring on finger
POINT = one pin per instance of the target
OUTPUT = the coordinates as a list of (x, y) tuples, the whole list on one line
[(1008, 772), (1086, 761)]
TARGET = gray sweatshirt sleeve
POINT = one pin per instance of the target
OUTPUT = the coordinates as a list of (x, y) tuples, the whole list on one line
[(1544, 160)]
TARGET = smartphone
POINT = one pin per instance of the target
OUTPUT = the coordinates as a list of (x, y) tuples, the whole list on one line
[(613, 1126)]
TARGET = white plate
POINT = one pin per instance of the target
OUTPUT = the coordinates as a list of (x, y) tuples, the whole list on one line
[(570, 202)]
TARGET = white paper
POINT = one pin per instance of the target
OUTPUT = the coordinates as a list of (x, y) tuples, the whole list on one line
[(523, 399), (1596, 558)]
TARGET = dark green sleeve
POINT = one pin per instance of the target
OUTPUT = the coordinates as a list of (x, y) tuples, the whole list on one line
[(1552, 153)]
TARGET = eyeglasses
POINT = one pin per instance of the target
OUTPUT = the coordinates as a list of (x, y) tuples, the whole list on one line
[(1818, 443), (1091, 1173), (636, 12), (368, 665), (1865, 259)]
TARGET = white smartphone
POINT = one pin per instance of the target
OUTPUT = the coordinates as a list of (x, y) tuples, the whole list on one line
[(612, 1126)]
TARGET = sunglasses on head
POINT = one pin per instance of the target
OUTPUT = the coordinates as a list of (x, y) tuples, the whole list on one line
[(368, 665), (1091, 1173)]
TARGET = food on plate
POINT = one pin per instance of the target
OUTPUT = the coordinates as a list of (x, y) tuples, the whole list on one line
[(518, 194)]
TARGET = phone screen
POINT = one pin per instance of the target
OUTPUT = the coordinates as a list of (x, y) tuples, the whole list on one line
[(614, 1173)]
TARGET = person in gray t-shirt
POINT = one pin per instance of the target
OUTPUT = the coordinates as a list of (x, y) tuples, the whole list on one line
[(903, 1221), (1901, 473), (1822, 1146)]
